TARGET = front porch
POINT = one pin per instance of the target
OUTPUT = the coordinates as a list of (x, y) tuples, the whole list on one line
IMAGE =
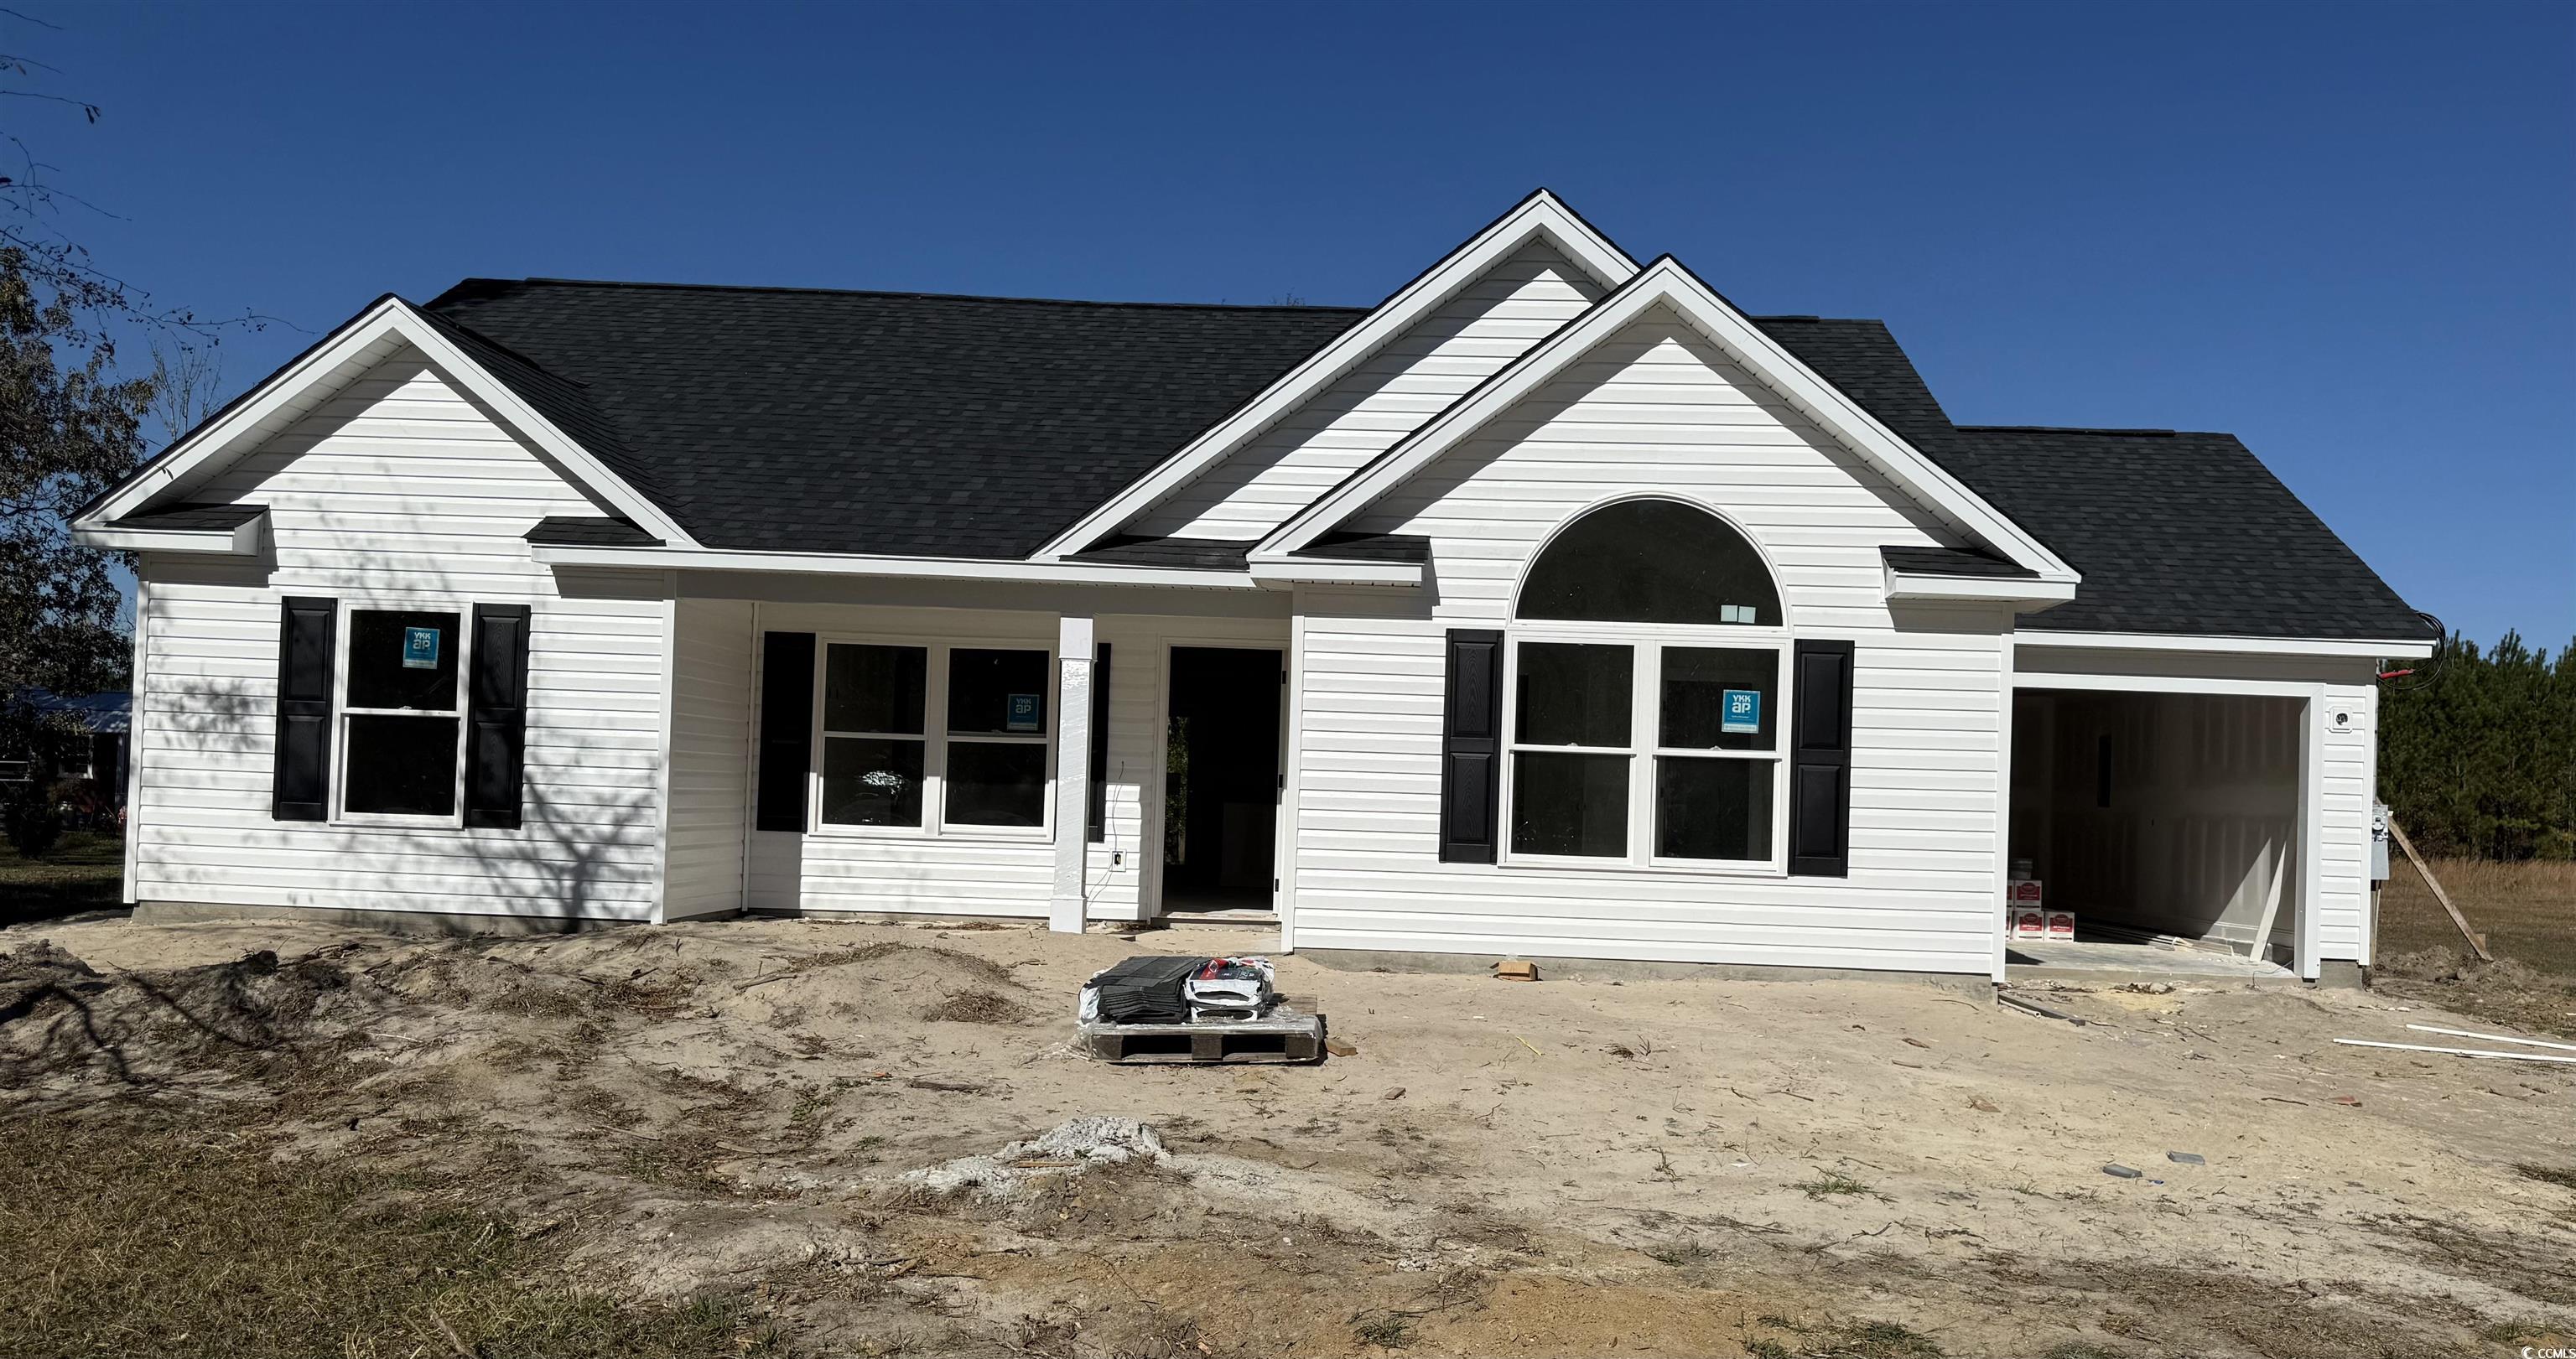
[(1122, 757)]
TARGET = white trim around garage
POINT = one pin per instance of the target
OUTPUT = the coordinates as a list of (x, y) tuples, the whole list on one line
[(2271, 646)]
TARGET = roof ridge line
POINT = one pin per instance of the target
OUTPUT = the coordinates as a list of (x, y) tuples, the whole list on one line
[(916, 294)]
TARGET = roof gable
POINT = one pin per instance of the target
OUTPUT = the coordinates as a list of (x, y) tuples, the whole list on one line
[(500, 381), (1541, 218), (1665, 283), (1486, 323)]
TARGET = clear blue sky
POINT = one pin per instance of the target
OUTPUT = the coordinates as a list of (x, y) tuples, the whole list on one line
[(2344, 232)]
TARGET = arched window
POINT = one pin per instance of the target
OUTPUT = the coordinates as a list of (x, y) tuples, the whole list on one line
[(1651, 561), (1608, 716)]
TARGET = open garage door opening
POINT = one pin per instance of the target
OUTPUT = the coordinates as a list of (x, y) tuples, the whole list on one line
[(2169, 824)]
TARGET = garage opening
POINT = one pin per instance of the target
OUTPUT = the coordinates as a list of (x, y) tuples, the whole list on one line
[(2167, 823)]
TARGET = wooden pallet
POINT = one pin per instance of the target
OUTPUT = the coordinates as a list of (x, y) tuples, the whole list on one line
[(1291, 1032)]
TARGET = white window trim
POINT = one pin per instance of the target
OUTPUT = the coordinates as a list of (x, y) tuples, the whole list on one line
[(1646, 643), (935, 738), (342, 710)]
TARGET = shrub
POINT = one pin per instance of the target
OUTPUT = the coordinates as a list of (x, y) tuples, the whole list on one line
[(32, 821)]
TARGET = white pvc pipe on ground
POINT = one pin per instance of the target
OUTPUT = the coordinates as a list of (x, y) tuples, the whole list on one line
[(2464, 1052), (2494, 1037)]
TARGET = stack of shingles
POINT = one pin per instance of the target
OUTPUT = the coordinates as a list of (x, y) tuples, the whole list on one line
[(1144, 990)]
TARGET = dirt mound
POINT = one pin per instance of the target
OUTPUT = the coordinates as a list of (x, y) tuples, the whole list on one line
[(2504, 990), (841, 994), (58, 1013)]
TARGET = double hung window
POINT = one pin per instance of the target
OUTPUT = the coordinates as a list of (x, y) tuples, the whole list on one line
[(932, 737), (402, 714)]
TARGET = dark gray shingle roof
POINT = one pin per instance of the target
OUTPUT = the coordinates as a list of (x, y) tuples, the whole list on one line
[(583, 531), (1952, 561), (2173, 533), (909, 424), (1196, 554), (889, 423), (215, 518), (2178, 532)]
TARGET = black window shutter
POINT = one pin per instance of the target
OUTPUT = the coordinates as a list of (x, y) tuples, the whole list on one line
[(301, 787), (1820, 760), (786, 728), (1098, 817), (1471, 745), (496, 717)]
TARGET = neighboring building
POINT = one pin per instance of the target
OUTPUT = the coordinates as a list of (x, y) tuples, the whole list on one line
[(81, 738), (1552, 607)]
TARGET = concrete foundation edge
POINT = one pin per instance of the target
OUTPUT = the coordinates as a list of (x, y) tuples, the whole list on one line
[(1973, 984), (432, 923)]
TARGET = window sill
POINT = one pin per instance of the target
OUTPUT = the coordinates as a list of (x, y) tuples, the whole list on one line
[(1525, 863), (390, 821), (913, 835)]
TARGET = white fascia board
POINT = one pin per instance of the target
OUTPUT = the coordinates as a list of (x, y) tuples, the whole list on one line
[(921, 568), (2261, 646), (288, 395), (1666, 283), (1542, 214), (1320, 571), (2018, 589), (242, 540)]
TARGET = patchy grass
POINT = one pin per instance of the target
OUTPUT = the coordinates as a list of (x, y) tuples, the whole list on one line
[(1844, 1340), (2527, 911), (154, 1240), (978, 1007), (1389, 1331), (1835, 1184), (85, 872)]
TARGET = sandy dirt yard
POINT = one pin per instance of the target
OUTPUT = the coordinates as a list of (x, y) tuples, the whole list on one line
[(1668, 1167)]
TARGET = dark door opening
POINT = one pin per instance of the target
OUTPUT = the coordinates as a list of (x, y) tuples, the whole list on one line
[(1221, 779)]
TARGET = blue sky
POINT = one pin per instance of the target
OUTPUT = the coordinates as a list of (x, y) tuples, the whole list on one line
[(2346, 233)]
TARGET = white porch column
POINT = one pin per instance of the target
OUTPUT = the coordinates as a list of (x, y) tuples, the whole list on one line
[(1072, 771)]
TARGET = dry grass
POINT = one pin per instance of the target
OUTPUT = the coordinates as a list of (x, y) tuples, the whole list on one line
[(2527, 911), (85, 872), (170, 1241), (977, 1007)]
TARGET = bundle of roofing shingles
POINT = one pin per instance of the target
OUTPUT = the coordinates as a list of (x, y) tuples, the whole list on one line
[(1152, 989), (1146, 990)]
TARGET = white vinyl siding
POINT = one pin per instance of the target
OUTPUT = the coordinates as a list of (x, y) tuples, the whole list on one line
[(710, 757), (1655, 409), (1491, 321), (398, 487), (2350, 786)]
